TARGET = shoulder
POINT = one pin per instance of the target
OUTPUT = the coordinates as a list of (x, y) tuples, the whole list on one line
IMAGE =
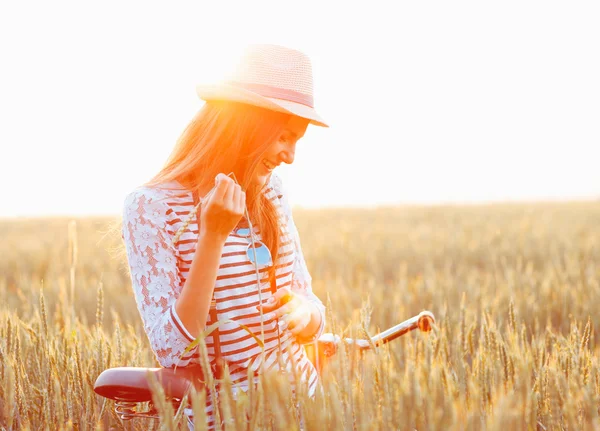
[(150, 202), (153, 194), (278, 187), (277, 184)]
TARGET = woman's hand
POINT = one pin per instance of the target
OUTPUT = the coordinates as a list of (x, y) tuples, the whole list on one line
[(222, 210), (295, 310)]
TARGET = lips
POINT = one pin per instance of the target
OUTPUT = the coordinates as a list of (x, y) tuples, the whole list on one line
[(270, 166)]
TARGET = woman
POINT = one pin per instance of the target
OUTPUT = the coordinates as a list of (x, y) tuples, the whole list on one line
[(191, 268)]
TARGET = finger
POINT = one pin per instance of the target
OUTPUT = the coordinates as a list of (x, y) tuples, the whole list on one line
[(283, 295), (223, 182), (279, 298), (298, 322), (237, 192), (266, 308), (270, 303), (297, 329), (241, 203), (285, 309), (276, 297), (222, 177), (228, 201)]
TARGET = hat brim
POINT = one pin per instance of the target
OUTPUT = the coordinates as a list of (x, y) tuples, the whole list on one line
[(229, 92)]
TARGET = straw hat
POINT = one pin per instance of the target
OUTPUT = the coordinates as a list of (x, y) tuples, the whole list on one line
[(272, 77)]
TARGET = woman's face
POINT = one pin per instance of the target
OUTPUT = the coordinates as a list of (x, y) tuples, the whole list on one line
[(282, 150)]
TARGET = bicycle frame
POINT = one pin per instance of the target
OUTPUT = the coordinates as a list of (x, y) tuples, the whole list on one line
[(130, 385)]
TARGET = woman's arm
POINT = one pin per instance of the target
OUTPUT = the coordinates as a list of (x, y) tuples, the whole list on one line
[(301, 281), (155, 277), (302, 284), (220, 213), (193, 304)]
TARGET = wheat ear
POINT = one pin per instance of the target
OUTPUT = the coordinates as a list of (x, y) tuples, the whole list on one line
[(187, 223)]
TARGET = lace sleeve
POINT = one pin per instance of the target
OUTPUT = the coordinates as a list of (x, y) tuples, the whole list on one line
[(301, 279), (154, 276)]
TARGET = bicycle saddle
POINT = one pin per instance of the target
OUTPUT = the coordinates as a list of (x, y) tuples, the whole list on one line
[(132, 383)]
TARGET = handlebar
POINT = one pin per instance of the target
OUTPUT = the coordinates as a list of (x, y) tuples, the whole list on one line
[(424, 321), (327, 344)]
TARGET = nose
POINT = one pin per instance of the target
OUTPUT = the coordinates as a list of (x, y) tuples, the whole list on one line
[(288, 154)]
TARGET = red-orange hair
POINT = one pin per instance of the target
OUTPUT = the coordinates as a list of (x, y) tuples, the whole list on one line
[(228, 137)]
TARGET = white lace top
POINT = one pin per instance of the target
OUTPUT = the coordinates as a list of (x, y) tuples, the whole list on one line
[(159, 268)]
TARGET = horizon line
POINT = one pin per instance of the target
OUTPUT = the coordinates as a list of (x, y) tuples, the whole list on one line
[(414, 204)]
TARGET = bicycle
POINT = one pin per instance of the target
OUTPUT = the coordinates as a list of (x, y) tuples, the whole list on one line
[(128, 386)]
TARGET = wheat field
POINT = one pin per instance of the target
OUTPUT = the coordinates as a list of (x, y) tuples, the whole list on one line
[(514, 287)]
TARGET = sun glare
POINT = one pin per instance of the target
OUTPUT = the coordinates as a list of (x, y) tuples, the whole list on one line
[(444, 107)]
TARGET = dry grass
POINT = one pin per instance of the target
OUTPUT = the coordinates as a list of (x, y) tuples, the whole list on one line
[(514, 287)]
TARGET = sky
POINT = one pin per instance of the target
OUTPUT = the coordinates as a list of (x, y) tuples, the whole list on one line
[(428, 101)]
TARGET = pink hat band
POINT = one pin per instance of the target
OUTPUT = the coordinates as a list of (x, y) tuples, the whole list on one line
[(276, 92)]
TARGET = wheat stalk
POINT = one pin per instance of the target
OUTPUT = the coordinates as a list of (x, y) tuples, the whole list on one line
[(186, 223)]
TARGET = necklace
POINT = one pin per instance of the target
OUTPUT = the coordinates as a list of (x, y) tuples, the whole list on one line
[(213, 307)]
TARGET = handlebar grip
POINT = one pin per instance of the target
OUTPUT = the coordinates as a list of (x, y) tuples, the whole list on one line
[(426, 321)]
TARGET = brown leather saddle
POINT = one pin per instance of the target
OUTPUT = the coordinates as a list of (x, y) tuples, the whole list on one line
[(133, 384)]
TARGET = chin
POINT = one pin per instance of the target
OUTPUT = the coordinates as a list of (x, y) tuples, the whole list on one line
[(261, 180)]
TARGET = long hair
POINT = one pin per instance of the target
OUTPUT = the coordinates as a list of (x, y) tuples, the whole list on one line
[(228, 137)]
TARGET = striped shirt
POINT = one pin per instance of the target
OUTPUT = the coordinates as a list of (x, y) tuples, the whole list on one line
[(159, 268)]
